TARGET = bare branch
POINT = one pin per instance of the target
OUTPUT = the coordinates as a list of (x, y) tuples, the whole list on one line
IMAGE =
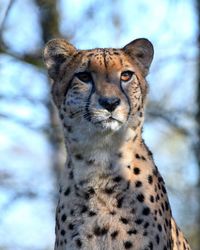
[(10, 4), (171, 120), (33, 59)]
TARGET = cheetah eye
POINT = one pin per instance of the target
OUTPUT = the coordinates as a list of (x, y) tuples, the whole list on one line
[(84, 77), (126, 75)]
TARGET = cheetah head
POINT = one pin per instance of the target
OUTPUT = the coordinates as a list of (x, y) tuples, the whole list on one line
[(103, 89)]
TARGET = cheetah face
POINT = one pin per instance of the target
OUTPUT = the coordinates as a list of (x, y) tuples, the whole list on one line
[(105, 87)]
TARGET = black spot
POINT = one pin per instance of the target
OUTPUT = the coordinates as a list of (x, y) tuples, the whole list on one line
[(90, 162), (92, 213), (132, 231), (91, 190), (86, 195), (136, 170), (138, 184), (152, 198), (146, 224), (84, 209), (117, 179), (82, 182), (146, 211), (165, 248), (139, 221), (128, 185), (164, 189), (114, 234), (129, 166), (69, 164), (71, 226), (116, 53), (150, 245), (137, 156), (155, 171), (120, 155), (79, 157), (71, 175), (150, 179), (100, 231), (119, 202), (157, 239), (69, 128), (159, 227), (62, 232), (109, 190), (132, 210), (72, 212), (167, 223), (160, 179), (67, 191), (128, 244), (157, 197), (97, 231), (124, 220), (78, 243), (61, 116), (89, 236), (74, 235), (140, 197), (112, 212), (64, 217), (145, 233), (143, 158)]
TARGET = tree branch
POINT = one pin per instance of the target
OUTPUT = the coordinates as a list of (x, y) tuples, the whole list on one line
[(10, 4)]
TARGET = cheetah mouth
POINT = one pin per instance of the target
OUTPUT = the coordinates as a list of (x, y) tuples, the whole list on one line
[(108, 120), (109, 123)]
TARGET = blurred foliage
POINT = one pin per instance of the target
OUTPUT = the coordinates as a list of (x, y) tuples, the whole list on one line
[(31, 145)]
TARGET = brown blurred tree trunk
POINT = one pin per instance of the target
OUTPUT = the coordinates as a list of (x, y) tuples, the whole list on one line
[(49, 19)]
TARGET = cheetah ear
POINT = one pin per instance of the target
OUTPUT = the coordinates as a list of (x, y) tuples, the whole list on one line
[(142, 50), (56, 52)]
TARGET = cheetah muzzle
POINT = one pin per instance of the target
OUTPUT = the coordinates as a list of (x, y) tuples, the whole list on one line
[(112, 195)]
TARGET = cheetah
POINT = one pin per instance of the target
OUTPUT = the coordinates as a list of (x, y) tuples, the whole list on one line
[(112, 196)]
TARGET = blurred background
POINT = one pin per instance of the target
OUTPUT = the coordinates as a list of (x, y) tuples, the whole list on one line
[(31, 146)]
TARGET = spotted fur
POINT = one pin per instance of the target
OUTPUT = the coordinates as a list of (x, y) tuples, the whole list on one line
[(112, 195)]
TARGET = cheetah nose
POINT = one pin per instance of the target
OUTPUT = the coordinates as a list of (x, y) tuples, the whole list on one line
[(109, 103)]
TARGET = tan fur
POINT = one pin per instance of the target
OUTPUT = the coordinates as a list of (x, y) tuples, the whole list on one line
[(112, 195)]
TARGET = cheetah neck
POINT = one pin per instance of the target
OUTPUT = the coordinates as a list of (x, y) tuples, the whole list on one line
[(108, 155)]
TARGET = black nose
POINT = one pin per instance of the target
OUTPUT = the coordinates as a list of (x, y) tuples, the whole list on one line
[(109, 103)]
